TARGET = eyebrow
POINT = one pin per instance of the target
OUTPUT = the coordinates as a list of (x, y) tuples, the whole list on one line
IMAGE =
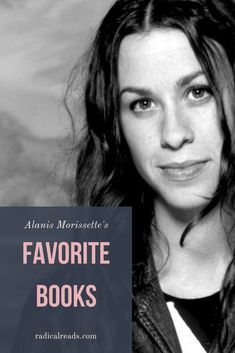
[(188, 78), (180, 83)]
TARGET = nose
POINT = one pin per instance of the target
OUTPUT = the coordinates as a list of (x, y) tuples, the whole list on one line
[(176, 129)]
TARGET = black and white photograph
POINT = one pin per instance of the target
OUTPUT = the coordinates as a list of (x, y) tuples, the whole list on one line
[(131, 104)]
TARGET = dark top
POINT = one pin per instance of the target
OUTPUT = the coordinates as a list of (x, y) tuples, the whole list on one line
[(201, 315)]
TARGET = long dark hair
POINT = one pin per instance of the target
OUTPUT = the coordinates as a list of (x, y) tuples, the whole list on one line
[(106, 175)]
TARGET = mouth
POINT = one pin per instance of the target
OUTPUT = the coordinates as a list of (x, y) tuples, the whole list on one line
[(183, 171)]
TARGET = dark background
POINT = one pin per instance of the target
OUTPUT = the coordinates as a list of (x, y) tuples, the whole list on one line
[(20, 319)]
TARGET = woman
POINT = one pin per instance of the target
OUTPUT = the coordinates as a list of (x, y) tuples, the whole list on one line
[(159, 103)]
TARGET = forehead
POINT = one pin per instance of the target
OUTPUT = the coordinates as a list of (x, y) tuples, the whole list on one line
[(160, 54)]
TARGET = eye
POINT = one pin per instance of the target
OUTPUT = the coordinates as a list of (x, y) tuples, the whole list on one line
[(199, 93), (143, 104)]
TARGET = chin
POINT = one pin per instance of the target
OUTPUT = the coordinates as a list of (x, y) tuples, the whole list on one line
[(183, 204)]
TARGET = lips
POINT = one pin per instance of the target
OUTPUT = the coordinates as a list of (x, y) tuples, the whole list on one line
[(184, 171)]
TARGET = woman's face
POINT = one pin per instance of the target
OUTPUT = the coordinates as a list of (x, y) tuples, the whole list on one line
[(169, 118)]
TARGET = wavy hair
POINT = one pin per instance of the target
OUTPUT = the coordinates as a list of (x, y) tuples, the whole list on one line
[(105, 174)]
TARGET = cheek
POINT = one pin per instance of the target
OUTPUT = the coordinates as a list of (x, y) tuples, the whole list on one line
[(229, 107), (207, 129), (137, 149), (143, 152), (140, 141)]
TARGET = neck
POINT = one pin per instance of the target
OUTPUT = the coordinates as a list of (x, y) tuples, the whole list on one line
[(201, 262)]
